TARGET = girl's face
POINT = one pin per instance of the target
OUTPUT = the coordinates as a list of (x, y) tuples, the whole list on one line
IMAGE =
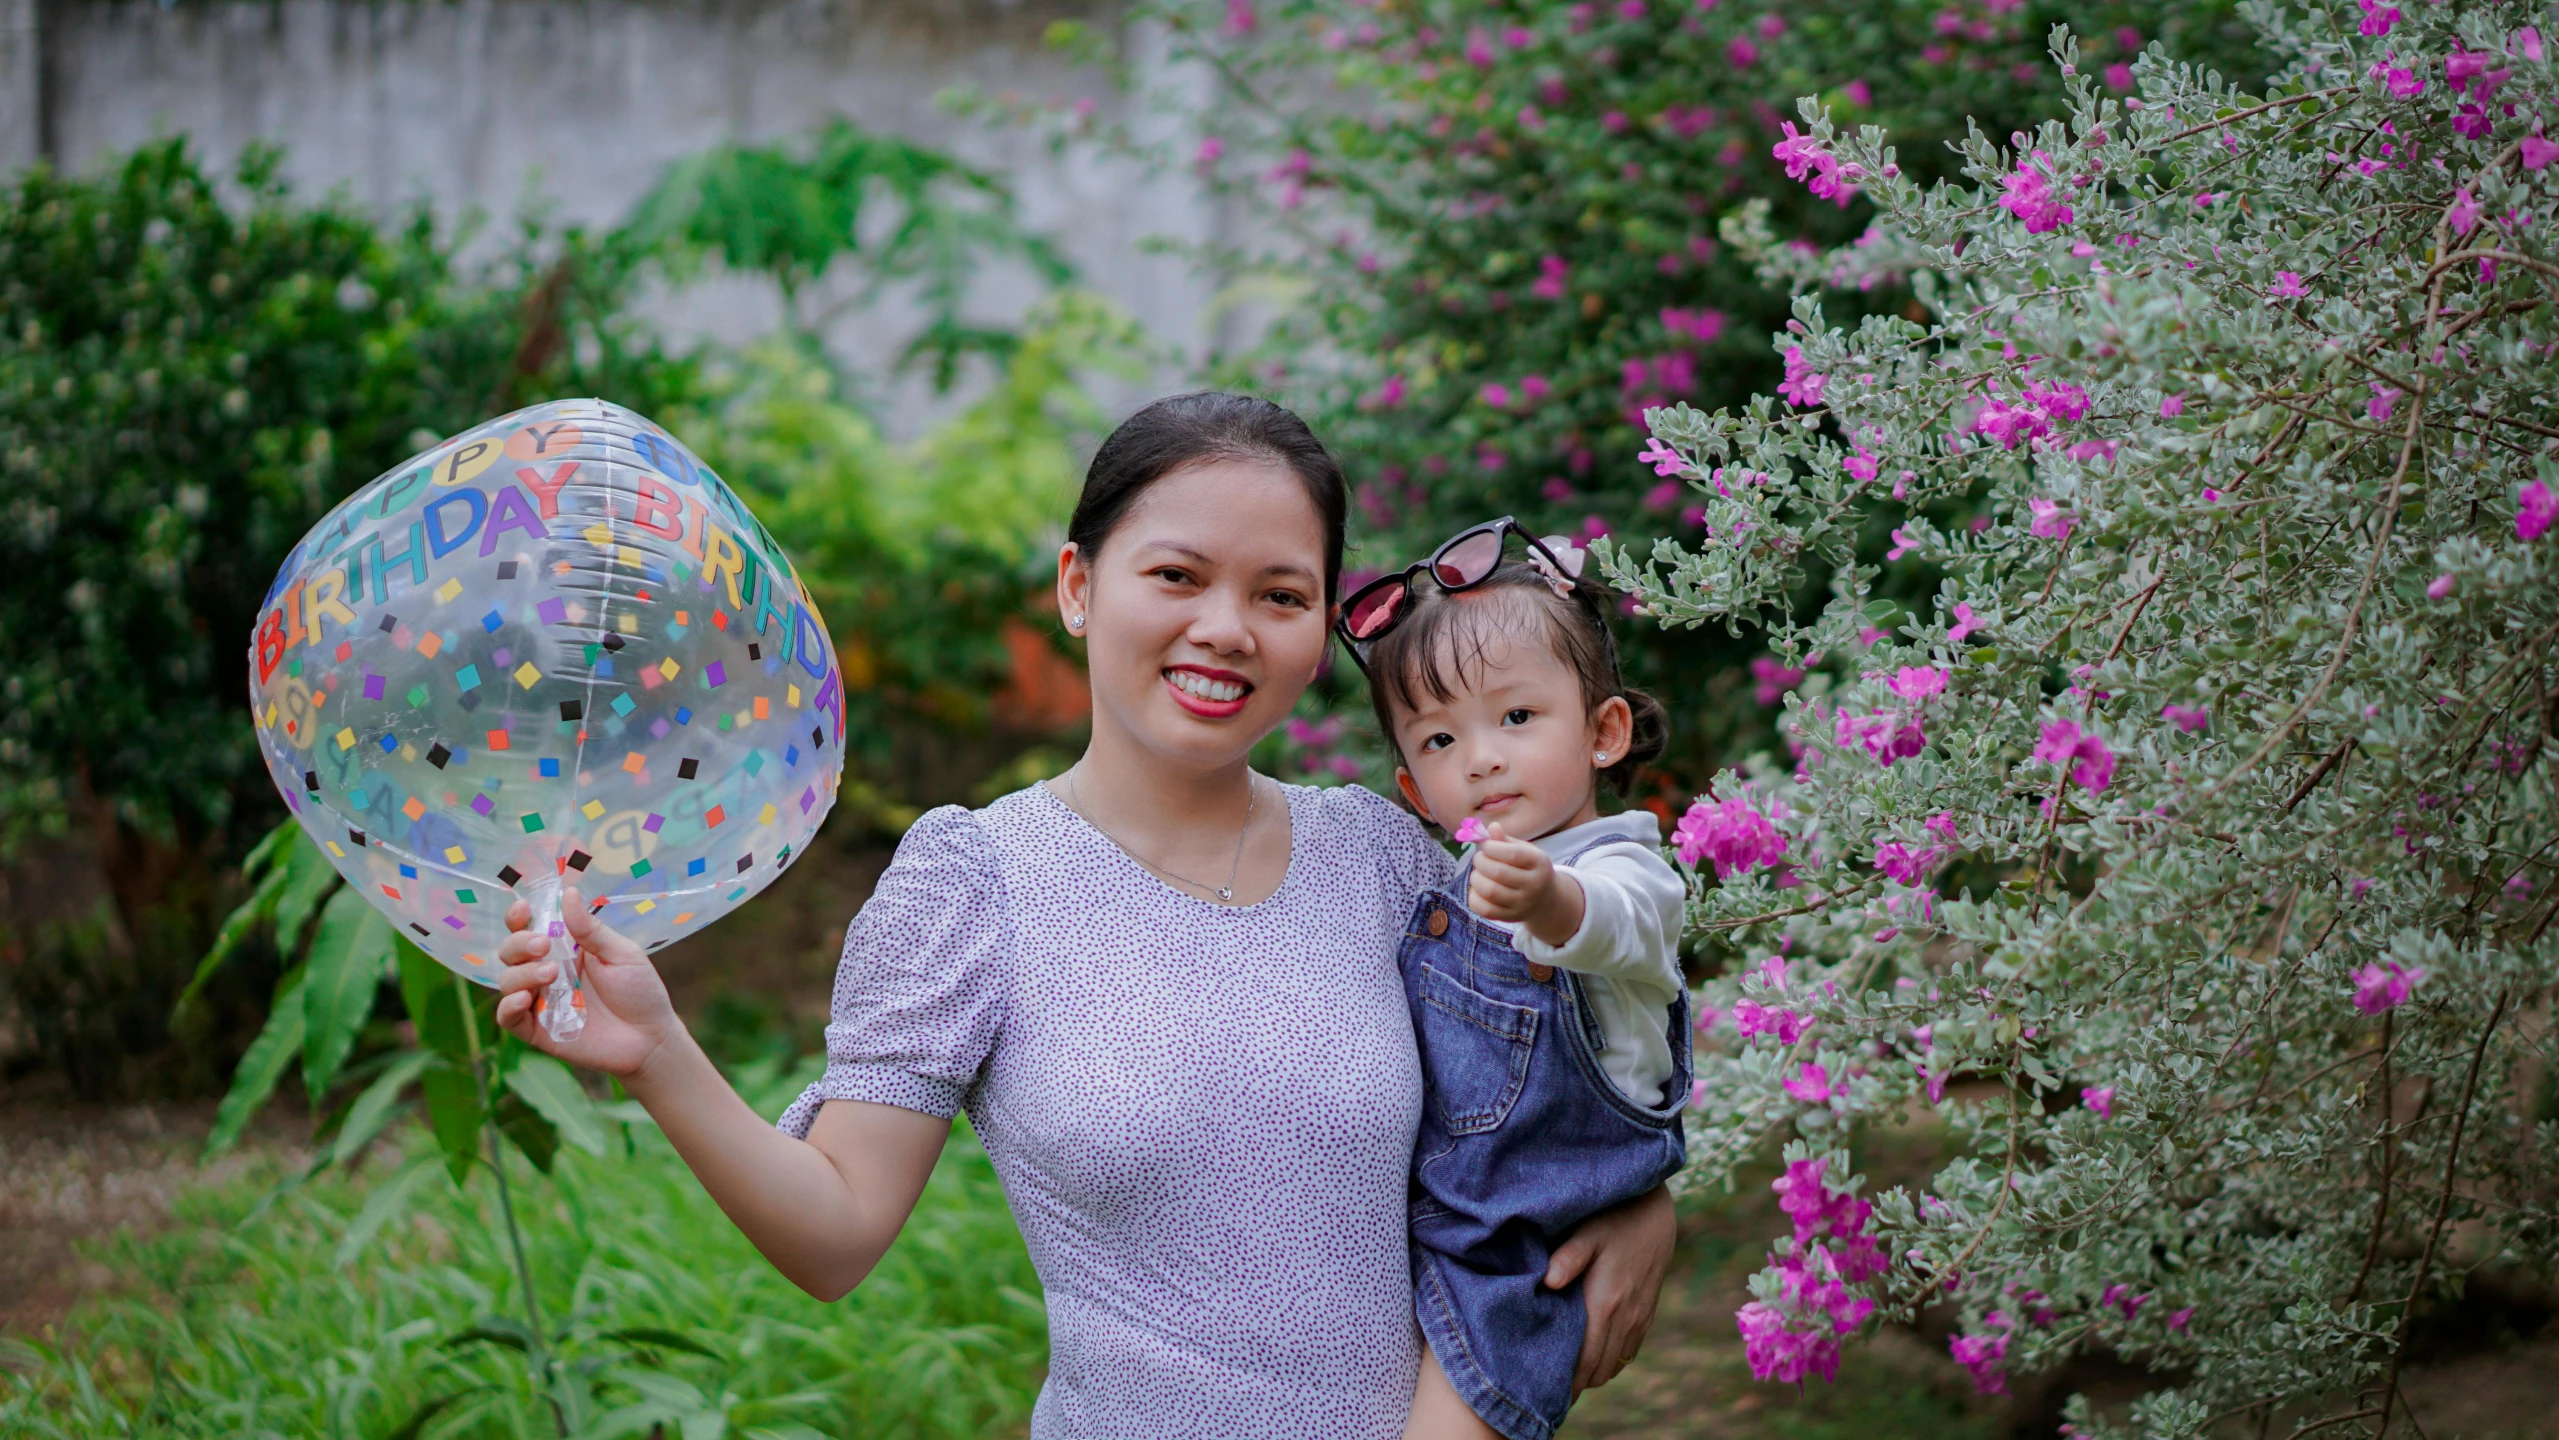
[(1204, 615), (1513, 747)]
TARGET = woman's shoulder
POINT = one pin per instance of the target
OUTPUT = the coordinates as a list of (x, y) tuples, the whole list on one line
[(1358, 821)]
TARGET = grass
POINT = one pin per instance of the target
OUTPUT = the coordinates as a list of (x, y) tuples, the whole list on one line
[(248, 1316)]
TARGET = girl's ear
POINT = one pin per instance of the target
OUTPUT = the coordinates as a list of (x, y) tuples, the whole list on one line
[(1413, 794), (1612, 728)]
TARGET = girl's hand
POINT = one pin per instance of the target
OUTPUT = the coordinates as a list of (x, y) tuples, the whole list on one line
[(1621, 1257), (629, 1018), (1515, 881)]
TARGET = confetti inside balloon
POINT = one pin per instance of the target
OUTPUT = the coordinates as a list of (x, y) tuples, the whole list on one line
[(552, 650)]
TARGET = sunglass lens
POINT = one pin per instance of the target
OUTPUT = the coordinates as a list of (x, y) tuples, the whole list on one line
[(1374, 610), (1468, 560)]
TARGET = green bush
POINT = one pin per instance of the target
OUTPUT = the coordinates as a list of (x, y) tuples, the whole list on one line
[(356, 1304)]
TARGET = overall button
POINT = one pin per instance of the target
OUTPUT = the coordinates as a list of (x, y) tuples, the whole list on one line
[(1540, 973), (1438, 923)]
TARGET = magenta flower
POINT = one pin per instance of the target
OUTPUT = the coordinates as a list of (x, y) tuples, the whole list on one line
[(2091, 764), (2058, 401), (2461, 67), (2051, 522), (1907, 864), (1903, 543), (1471, 831), (1533, 388), (2378, 19), (1774, 680), (1663, 459), (2385, 986), (2287, 286), (2118, 76), (2538, 152), (1741, 53), (2385, 398), (1966, 622), (1918, 684), (1731, 833), (1802, 385), (2100, 1099), (2439, 587), (2177, 1319), (1861, 466), (1550, 281), (1240, 17), (2011, 425), (1985, 1357), (2527, 43), (1750, 1018), (2030, 198), (1812, 1085), (1209, 150), (2463, 214), (1479, 50), (2536, 505), (2403, 83), (2172, 406), (2189, 718), (1496, 394), (2122, 1298)]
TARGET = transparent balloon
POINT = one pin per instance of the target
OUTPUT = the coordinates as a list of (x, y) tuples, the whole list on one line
[(552, 650)]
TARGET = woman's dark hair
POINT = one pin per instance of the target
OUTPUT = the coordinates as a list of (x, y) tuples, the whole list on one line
[(1443, 642), (1208, 425)]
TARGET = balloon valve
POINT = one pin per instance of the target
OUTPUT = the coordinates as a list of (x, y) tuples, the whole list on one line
[(562, 1004)]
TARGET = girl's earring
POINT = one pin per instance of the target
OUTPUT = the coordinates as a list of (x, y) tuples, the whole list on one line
[(1075, 622), (1601, 757)]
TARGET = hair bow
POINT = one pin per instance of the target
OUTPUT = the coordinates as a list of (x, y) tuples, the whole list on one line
[(1568, 556)]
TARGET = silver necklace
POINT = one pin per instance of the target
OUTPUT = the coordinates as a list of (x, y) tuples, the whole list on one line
[(1226, 892)]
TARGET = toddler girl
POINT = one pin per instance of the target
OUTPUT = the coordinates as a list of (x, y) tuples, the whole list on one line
[(1545, 987)]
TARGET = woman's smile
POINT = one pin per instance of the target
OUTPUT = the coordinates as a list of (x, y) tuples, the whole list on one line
[(1210, 694)]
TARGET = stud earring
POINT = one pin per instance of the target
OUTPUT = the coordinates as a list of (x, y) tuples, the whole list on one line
[(1601, 757), (1075, 622)]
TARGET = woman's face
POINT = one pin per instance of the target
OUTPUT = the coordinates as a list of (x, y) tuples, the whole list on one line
[(1204, 614)]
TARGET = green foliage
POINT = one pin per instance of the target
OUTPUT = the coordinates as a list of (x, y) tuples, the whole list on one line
[(1488, 230), (793, 211), (919, 554), (186, 385), (2199, 828), (362, 1303)]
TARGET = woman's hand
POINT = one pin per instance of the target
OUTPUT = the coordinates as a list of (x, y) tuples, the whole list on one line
[(629, 1018), (1621, 1257)]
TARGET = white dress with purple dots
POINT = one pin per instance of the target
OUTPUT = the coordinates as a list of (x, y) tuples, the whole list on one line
[(1203, 1115)]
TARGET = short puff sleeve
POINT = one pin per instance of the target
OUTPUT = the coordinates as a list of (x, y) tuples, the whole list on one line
[(920, 992)]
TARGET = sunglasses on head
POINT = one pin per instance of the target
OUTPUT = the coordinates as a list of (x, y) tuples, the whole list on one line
[(1465, 561)]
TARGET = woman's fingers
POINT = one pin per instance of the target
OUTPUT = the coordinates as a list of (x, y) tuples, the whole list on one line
[(518, 915)]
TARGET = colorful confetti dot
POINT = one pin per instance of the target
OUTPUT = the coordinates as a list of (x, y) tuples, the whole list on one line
[(429, 644), (466, 897), (372, 687), (549, 768), (592, 809), (417, 695), (668, 669), (531, 822), (415, 809), (554, 611), (695, 866), (497, 740), (491, 621), (714, 815), (453, 855), (714, 675), (640, 868), (623, 704), (765, 816), (763, 708), (445, 592), (635, 762), (653, 823), (645, 906), (346, 739), (525, 674), (468, 677), (482, 805)]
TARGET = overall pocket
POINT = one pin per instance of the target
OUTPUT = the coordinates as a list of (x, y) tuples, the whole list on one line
[(1474, 1052)]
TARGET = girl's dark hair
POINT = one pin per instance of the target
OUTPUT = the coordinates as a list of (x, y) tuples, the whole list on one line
[(1207, 425), (1443, 642)]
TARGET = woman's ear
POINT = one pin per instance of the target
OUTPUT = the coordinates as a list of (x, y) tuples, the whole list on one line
[(1413, 794), (1612, 730), (1074, 587)]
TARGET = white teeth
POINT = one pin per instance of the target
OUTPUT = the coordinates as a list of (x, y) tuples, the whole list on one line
[(1218, 691)]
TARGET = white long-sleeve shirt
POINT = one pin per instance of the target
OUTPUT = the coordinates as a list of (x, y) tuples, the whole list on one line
[(1627, 949)]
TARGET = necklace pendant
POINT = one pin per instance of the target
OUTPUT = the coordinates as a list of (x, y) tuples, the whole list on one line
[(1225, 892)]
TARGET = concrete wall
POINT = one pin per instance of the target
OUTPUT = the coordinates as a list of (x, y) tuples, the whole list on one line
[(575, 106)]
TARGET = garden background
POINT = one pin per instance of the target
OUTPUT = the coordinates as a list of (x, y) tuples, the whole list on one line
[(892, 270)]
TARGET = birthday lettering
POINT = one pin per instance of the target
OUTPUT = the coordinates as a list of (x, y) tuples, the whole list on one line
[(548, 494), (511, 511), (445, 544), (465, 463)]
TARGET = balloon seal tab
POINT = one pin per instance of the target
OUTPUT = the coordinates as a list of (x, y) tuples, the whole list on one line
[(562, 1006)]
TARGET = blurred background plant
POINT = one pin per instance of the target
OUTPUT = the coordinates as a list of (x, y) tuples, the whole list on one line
[(1483, 238)]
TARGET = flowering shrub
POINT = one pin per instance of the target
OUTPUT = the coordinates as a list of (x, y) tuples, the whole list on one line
[(1489, 226), (2191, 852)]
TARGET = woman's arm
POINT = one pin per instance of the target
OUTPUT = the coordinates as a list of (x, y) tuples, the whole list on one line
[(1621, 1256), (824, 1209)]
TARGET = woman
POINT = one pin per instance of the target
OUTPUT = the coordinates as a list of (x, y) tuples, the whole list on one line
[(1162, 986)]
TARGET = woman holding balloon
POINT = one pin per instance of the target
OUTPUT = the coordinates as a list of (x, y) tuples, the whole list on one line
[(1162, 986)]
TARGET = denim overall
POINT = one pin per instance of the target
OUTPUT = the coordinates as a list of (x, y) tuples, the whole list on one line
[(1523, 1137)]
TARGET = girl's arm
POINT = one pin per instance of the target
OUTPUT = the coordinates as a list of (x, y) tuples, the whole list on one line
[(824, 1209)]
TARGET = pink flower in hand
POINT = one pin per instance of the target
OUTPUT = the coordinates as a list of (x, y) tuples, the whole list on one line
[(1471, 831)]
